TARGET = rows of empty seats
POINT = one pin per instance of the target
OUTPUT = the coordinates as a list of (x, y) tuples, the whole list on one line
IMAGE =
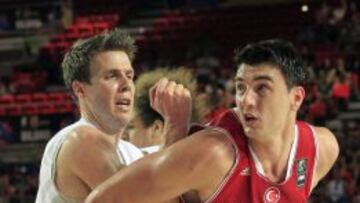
[(28, 81), (36, 104), (83, 27), (177, 30)]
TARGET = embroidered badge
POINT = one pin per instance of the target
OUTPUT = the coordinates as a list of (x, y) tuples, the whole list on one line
[(245, 172), (272, 195), (301, 165)]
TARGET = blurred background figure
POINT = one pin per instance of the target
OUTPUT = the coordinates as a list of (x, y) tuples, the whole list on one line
[(146, 130), (200, 35)]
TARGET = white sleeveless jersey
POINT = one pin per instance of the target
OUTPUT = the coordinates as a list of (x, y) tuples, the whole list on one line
[(48, 192), (151, 149)]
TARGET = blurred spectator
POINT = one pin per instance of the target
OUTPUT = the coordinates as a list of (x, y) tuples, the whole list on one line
[(340, 92), (338, 12), (318, 111), (4, 23), (6, 133), (335, 188), (3, 88), (323, 13), (355, 84), (335, 71), (67, 13)]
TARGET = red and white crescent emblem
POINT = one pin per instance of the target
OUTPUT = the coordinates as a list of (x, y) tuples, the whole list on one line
[(272, 195)]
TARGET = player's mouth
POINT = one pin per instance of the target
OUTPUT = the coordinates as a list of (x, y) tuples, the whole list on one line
[(250, 119), (123, 104)]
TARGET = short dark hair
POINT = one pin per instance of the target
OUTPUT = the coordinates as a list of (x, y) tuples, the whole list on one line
[(147, 79), (281, 54), (76, 63)]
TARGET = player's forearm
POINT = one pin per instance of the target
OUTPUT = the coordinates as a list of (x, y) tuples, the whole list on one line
[(174, 132)]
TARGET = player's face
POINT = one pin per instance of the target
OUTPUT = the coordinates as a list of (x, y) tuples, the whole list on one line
[(111, 92), (264, 102), (144, 136), (139, 134)]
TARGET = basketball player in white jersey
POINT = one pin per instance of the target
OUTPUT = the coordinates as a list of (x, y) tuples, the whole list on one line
[(79, 157)]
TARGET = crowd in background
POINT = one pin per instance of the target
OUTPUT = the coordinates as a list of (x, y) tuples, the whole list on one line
[(333, 82)]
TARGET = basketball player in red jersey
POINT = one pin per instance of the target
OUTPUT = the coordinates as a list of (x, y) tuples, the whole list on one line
[(257, 152)]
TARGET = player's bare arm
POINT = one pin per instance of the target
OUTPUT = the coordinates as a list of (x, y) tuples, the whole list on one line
[(200, 163), (85, 149), (328, 153)]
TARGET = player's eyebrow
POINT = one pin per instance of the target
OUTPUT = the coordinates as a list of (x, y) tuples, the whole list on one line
[(256, 78)]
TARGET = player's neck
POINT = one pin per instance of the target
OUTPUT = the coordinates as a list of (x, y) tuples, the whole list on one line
[(274, 154), (114, 136)]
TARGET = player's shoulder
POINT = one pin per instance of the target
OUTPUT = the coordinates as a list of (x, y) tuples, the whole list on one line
[(83, 140), (224, 117), (326, 138), (210, 153), (328, 150), (214, 143), (86, 136)]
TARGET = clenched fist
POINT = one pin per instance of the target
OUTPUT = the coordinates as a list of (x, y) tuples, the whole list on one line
[(173, 102)]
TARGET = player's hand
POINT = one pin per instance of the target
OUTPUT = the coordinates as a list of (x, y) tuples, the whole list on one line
[(173, 102)]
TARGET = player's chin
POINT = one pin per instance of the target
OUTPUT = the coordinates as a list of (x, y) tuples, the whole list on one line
[(123, 117), (252, 131)]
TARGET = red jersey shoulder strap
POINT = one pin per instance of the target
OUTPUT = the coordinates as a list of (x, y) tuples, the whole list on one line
[(306, 154)]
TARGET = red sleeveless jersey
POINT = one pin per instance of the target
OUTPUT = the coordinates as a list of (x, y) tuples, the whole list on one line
[(245, 185)]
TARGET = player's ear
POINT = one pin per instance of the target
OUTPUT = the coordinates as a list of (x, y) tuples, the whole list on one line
[(157, 131), (298, 95), (158, 127), (78, 89)]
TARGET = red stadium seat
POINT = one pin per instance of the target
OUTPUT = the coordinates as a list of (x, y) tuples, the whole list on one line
[(39, 97), (61, 47), (56, 96), (47, 108), (57, 38), (13, 110), (47, 49), (100, 27), (30, 109), (72, 37), (66, 107), (23, 98), (2, 111), (72, 30), (85, 29), (7, 99)]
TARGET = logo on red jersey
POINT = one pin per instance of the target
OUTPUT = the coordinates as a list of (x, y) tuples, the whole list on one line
[(301, 172), (245, 172), (272, 195)]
